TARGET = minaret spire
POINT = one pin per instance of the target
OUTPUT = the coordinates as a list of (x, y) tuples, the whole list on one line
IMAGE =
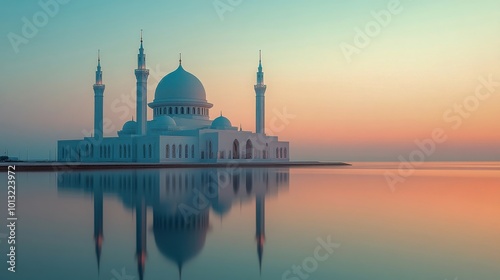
[(98, 73), (141, 49), (260, 61), (142, 56)]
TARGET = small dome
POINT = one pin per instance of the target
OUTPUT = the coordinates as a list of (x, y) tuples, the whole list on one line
[(164, 122), (129, 127), (221, 123), (180, 86)]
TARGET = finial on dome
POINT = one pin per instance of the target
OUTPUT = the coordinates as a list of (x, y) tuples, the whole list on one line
[(98, 57), (241, 129), (221, 113), (141, 35), (180, 59), (132, 118)]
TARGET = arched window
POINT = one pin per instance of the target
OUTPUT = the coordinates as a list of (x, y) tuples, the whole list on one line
[(129, 154), (186, 154), (92, 150), (188, 110), (109, 151), (167, 151), (249, 149), (144, 150), (285, 153), (277, 152), (236, 149), (173, 151), (150, 151), (192, 151), (124, 151), (182, 110), (198, 111), (180, 151), (176, 110), (120, 154), (194, 111), (281, 152), (170, 110)]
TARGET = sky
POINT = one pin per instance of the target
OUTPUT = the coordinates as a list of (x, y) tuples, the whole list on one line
[(360, 80)]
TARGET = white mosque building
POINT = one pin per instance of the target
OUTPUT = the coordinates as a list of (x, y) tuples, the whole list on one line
[(181, 130)]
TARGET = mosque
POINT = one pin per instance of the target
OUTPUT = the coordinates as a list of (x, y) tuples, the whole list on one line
[(181, 130)]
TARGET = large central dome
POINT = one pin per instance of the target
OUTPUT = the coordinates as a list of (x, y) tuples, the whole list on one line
[(180, 86)]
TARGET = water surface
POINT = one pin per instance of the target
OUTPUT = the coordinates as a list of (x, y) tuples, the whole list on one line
[(441, 222)]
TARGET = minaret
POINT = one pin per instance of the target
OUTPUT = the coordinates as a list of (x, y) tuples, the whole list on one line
[(98, 100), (98, 225), (141, 73), (260, 108), (260, 219)]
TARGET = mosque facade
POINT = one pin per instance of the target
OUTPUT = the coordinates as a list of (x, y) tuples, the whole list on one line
[(181, 130)]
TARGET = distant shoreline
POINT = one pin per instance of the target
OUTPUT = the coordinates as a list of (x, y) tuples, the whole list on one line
[(70, 166)]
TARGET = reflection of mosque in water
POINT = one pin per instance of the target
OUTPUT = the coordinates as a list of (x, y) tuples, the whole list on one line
[(181, 200)]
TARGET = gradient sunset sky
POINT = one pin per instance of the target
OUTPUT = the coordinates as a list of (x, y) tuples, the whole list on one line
[(395, 90)]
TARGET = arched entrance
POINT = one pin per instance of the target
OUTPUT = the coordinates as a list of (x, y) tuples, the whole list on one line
[(236, 149), (249, 150)]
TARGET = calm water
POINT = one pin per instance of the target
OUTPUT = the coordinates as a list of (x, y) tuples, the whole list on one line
[(442, 222)]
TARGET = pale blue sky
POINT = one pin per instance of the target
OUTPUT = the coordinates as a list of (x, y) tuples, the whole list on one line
[(47, 87)]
